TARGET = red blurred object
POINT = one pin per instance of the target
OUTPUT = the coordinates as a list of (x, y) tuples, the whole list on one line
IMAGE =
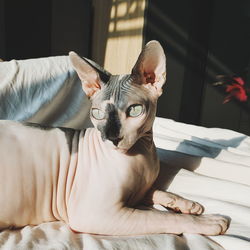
[(234, 87), (239, 80), (237, 91)]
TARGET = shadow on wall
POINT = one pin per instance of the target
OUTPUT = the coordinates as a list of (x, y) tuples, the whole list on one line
[(116, 19)]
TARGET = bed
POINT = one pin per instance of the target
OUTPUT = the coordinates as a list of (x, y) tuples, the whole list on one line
[(208, 165)]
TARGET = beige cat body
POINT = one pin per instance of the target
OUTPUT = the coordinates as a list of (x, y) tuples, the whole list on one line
[(96, 179)]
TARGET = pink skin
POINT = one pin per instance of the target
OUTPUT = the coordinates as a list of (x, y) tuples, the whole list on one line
[(93, 194), (47, 175)]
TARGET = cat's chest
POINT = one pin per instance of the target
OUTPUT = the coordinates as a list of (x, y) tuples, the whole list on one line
[(109, 172)]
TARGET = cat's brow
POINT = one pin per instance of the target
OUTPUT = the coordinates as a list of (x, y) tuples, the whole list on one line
[(121, 92), (118, 88)]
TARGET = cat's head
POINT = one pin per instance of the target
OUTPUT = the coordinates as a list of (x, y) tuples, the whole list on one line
[(124, 106)]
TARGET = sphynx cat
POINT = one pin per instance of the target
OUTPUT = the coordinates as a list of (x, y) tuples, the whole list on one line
[(95, 179)]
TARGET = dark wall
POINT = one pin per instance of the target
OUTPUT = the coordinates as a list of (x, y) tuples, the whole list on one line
[(181, 27), (170, 27), (2, 30), (71, 26), (27, 29), (31, 29), (202, 39), (229, 53)]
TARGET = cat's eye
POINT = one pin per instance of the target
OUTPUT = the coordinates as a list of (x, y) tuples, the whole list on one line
[(98, 114), (135, 110)]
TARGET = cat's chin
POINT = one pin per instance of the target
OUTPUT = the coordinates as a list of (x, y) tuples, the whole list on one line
[(122, 150), (117, 148)]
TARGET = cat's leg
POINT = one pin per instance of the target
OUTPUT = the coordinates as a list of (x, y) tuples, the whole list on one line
[(154, 221), (174, 202), (129, 221)]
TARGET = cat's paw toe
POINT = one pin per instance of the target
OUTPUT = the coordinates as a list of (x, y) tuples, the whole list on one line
[(196, 208), (191, 207)]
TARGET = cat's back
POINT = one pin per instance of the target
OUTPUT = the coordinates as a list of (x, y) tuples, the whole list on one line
[(30, 147), (34, 164), (34, 136)]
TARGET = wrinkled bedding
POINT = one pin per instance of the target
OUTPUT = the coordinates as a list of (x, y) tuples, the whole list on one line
[(209, 165), (45, 91)]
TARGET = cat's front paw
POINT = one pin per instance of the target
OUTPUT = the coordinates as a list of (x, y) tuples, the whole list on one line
[(178, 203), (204, 224), (174, 202), (187, 206)]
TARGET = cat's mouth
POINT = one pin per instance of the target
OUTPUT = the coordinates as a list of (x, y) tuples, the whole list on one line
[(115, 144), (124, 147)]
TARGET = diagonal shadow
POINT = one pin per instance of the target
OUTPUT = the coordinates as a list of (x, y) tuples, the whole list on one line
[(188, 156), (207, 148), (171, 162)]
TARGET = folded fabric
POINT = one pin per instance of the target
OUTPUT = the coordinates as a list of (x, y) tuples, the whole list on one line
[(27, 88)]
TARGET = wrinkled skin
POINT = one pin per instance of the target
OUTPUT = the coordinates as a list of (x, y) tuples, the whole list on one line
[(47, 177), (96, 180)]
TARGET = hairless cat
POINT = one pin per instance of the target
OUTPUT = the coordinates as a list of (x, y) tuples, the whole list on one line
[(96, 179)]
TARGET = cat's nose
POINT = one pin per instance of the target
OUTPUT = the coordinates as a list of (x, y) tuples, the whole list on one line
[(115, 140)]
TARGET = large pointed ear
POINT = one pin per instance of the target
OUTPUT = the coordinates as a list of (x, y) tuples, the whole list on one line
[(151, 67), (89, 77)]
